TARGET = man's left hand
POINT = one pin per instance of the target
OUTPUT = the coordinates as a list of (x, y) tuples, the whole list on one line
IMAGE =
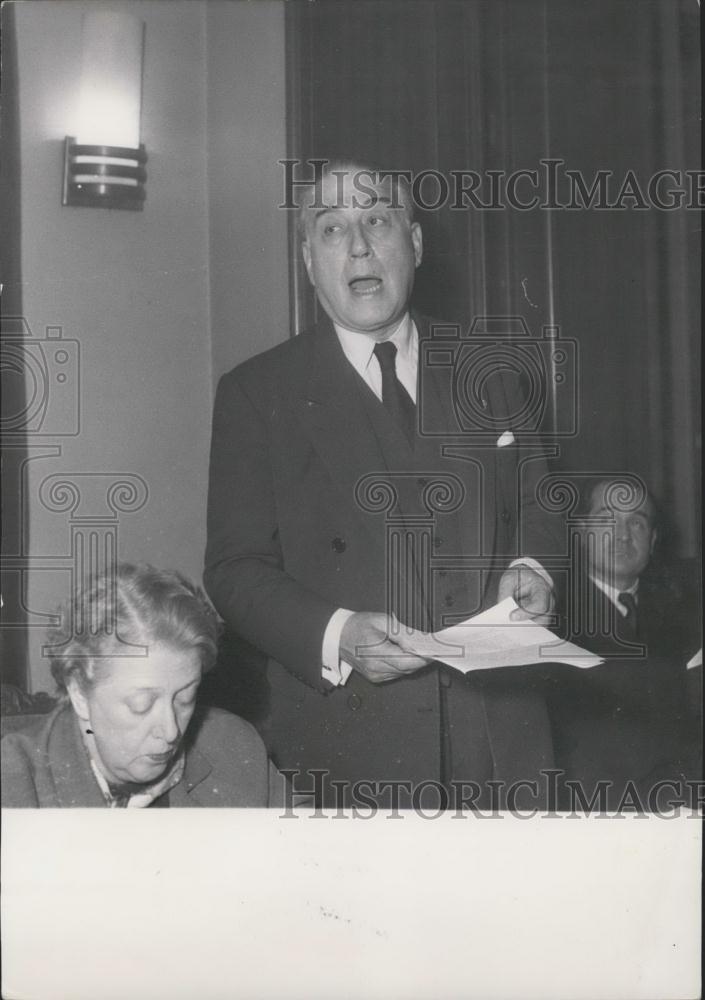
[(531, 592)]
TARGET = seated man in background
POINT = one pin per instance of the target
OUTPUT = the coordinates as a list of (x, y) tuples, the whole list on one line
[(629, 719)]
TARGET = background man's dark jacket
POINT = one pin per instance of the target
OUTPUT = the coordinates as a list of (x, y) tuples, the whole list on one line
[(630, 718)]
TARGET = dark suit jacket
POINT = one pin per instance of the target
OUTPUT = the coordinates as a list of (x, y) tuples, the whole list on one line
[(628, 720), (295, 430), (47, 766)]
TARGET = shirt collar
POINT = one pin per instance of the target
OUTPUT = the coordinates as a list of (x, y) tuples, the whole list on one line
[(358, 347), (613, 592)]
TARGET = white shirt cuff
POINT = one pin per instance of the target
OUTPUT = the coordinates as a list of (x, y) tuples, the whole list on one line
[(335, 670), (535, 566)]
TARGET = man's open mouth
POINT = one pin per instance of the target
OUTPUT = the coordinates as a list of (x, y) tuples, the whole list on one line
[(365, 285)]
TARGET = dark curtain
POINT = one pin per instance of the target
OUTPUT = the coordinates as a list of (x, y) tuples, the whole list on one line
[(500, 86)]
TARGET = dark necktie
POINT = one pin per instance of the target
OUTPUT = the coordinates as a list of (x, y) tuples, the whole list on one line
[(395, 398), (629, 621), (121, 794), (120, 798)]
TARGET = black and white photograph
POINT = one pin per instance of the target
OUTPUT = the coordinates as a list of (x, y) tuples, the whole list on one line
[(351, 496)]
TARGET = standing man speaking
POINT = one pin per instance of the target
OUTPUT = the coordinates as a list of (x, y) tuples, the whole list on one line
[(300, 560)]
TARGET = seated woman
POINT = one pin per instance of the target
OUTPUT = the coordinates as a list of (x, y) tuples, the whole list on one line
[(128, 659)]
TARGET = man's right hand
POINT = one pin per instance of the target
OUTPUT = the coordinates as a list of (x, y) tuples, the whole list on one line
[(367, 644)]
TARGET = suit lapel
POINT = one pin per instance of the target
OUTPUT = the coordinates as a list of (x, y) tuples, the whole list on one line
[(332, 410), (443, 445), (434, 392), (196, 770), (73, 777)]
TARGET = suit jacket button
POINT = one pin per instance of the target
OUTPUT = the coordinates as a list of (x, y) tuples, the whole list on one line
[(354, 702), (338, 545), (446, 679), (449, 600)]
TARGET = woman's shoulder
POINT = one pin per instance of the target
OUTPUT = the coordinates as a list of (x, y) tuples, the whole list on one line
[(24, 752), (29, 731), (215, 728), (226, 763)]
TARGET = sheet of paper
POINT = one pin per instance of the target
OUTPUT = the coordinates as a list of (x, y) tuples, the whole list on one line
[(490, 640)]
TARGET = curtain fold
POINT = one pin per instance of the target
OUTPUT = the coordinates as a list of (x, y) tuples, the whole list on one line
[(13, 440), (494, 88)]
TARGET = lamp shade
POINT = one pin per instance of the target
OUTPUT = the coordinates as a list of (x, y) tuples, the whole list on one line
[(110, 97)]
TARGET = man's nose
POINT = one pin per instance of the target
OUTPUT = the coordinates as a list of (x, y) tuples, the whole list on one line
[(359, 244)]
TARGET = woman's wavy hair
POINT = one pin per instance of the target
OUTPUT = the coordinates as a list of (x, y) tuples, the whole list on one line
[(130, 605)]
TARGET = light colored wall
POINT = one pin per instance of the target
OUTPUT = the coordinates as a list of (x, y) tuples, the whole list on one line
[(133, 288), (247, 136)]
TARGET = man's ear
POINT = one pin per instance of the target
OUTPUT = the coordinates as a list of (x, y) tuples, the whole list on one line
[(654, 539), (417, 240), (78, 699), (306, 253)]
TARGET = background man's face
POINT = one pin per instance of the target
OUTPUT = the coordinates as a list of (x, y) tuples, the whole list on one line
[(634, 537), (361, 260)]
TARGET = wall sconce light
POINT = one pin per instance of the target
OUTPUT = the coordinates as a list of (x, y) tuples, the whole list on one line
[(104, 160)]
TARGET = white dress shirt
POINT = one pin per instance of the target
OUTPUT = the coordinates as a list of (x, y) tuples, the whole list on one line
[(614, 592), (359, 350)]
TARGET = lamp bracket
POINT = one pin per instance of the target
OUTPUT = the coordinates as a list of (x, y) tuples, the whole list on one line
[(103, 176)]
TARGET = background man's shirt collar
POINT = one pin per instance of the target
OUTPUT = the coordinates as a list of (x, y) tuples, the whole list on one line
[(613, 592)]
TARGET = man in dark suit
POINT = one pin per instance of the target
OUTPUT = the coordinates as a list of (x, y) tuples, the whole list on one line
[(627, 720), (323, 524)]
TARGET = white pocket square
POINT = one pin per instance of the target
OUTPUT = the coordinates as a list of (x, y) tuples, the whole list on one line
[(504, 439)]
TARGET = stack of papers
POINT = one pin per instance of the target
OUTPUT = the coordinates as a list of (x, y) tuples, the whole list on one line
[(491, 640)]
